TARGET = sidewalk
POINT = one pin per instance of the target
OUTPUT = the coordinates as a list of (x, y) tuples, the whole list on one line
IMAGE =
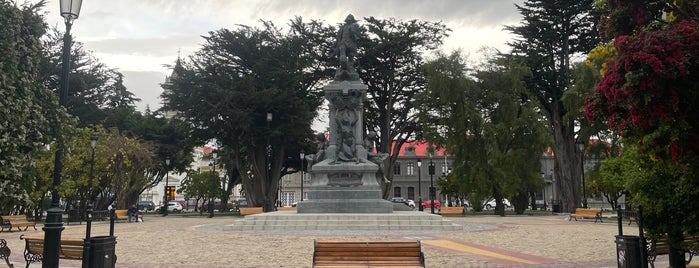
[(189, 242)]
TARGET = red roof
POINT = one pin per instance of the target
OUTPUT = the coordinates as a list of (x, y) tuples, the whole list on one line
[(420, 148)]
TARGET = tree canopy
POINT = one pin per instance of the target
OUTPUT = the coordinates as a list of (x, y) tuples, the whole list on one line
[(649, 94), (391, 55), (226, 90), (552, 33), (496, 137)]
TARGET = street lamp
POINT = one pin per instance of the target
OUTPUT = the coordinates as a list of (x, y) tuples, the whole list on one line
[(546, 183), (581, 147), (268, 154), (432, 191), (88, 227), (70, 10), (419, 185), (302, 155), (166, 197), (212, 167)]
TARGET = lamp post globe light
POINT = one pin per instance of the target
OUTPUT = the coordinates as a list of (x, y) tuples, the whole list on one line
[(419, 185), (70, 10), (302, 155), (581, 147), (212, 167), (432, 192), (166, 197)]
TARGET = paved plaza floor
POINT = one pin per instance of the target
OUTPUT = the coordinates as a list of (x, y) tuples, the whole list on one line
[(487, 241)]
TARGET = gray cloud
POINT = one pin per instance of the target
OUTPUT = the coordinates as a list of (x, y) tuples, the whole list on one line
[(137, 36), (146, 86)]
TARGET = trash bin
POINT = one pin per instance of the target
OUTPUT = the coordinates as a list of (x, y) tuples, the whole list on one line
[(628, 251), (74, 215), (102, 252), (557, 208)]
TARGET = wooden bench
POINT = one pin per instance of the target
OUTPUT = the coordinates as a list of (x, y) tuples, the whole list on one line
[(451, 211), (586, 213), (5, 252), (286, 209), (659, 246), (250, 211), (368, 254), (121, 215), (70, 248), (18, 221)]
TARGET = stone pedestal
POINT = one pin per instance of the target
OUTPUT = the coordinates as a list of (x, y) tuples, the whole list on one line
[(344, 187)]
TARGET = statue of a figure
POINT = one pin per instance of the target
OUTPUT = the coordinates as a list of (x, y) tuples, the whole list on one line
[(322, 145), (346, 118), (346, 50)]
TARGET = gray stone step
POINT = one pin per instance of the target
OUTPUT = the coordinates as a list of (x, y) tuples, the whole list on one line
[(398, 220)]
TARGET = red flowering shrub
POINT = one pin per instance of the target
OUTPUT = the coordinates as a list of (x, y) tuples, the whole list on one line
[(650, 91)]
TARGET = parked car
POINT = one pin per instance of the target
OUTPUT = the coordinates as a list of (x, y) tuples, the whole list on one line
[(410, 203), (403, 200), (146, 206), (491, 203), (398, 200), (174, 206), (428, 204)]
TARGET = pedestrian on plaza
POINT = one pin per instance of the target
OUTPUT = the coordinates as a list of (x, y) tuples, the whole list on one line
[(133, 212)]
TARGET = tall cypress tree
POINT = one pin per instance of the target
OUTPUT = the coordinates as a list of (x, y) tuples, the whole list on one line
[(552, 33)]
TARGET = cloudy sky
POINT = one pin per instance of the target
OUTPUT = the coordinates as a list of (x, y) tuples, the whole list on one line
[(140, 37)]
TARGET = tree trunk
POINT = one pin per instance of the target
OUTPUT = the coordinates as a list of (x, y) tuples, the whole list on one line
[(567, 161), (676, 255)]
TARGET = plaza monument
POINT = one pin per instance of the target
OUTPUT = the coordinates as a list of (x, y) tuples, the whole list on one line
[(345, 172)]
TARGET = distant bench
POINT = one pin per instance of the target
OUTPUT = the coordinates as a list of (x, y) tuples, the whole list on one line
[(13, 221), (250, 211), (70, 248), (122, 215), (659, 246), (451, 211), (368, 254), (586, 213)]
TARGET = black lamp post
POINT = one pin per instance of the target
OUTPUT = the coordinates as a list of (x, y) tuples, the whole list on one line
[(166, 193), (212, 167), (546, 183), (419, 185), (70, 10), (581, 146), (88, 228), (267, 160), (432, 192), (302, 155)]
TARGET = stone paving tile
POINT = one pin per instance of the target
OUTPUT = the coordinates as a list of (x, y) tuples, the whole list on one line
[(192, 242)]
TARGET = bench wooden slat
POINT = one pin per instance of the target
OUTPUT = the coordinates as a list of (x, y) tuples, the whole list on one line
[(250, 211), (659, 246), (122, 215), (451, 210), (364, 254), (586, 213), (12, 221), (70, 248)]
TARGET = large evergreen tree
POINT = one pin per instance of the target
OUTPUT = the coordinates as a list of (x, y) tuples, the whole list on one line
[(239, 76), (552, 33), (28, 110), (390, 62), (494, 134)]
